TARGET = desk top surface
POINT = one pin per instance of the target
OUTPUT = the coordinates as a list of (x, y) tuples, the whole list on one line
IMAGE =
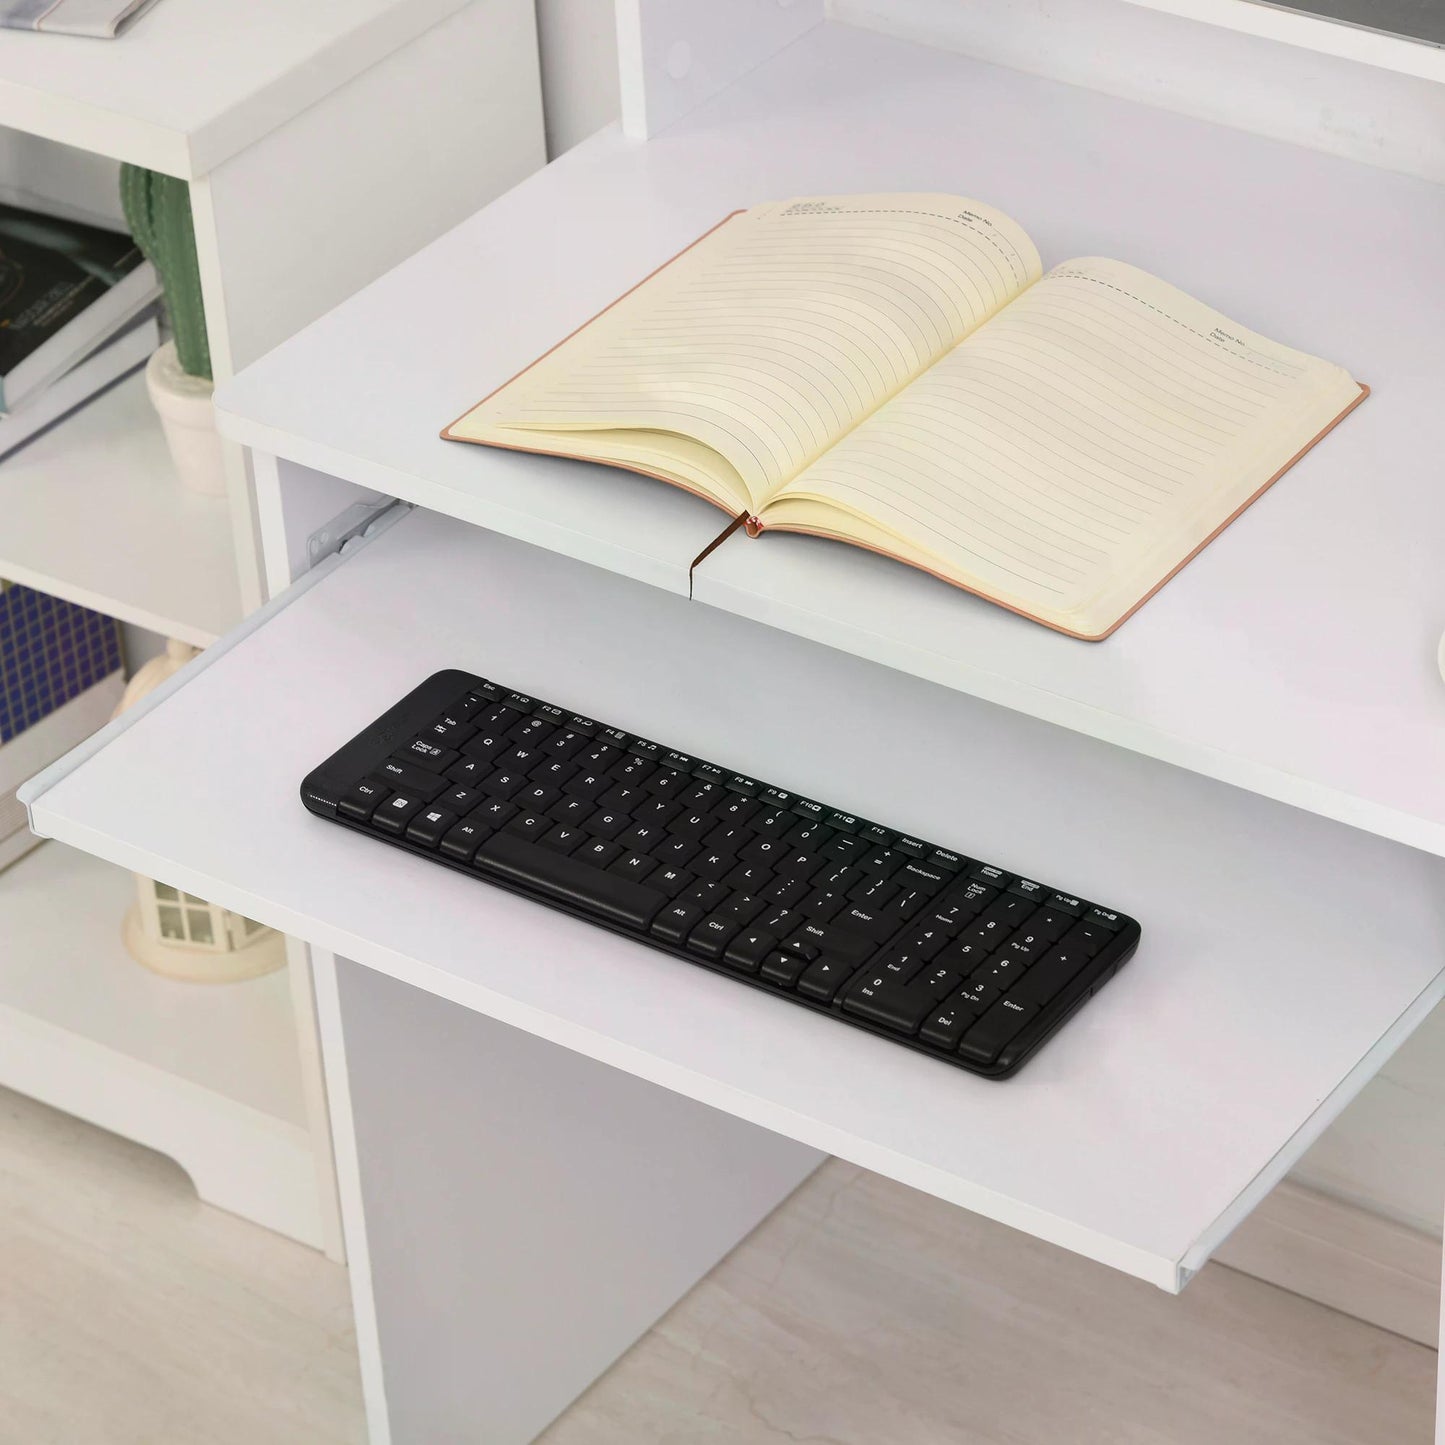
[(1283, 955), (1295, 656)]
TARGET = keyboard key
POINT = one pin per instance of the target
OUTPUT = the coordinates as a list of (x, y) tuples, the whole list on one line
[(945, 1026), (882, 862), (810, 836), (783, 968), (361, 802), (949, 862), (494, 812), (877, 835), (999, 1026), (608, 823), (567, 745), (1036, 893), (1064, 903), (397, 773), (764, 850), (713, 866), (850, 947), (530, 827), (871, 924), (713, 935), (460, 800), (635, 866), (618, 900), (824, 977), (1051, 922), (971, 895), (538, 797), (568, 809), (844, 822), (789, 892), (775, 825), (748, 949), (430, 825), (738, 783), (551, 712), (691, 825), (924, 876), (1089, 938), (599, 853), (678, 851), (643, 837), (396, 813), (589, 786), (1104, 919), (676, 921), (749, 878), (505, 784), (823, 904), (428, 755), (1049, 977), (562, 839), (993, 877), (890, 1001), (776, 798), (671, 881)]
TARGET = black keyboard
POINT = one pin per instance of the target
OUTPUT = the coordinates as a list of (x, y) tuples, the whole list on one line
[(917, 943)]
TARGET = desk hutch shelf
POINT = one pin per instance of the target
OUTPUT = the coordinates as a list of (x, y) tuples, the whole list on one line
[(286, 121), (1252, 765)]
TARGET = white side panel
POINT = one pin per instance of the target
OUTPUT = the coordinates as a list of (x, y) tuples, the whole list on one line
[(327, 202), (529, 1213), (577, 42), (324, 204), (1210, 70), (674, 54)]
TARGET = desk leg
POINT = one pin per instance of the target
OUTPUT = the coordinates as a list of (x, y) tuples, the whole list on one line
[(516, 1214)]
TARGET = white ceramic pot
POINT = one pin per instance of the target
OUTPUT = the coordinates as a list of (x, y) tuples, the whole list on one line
[(188, 419)]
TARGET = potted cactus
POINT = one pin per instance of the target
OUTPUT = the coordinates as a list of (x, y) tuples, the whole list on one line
[(178, 376)]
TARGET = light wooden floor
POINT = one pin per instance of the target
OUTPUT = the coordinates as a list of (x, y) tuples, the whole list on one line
[(860, 1314)]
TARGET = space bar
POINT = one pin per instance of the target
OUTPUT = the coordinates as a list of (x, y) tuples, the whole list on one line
[(577, 885)]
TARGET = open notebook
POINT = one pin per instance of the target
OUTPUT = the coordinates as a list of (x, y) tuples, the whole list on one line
[(897, 372)]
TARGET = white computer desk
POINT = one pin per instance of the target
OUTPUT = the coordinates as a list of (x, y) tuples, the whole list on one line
[(545, 1134)]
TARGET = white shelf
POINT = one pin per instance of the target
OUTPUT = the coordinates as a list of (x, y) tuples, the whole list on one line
[(1296, 656), (193, 82), (208, 1074), (92, 512), (1273, 977)]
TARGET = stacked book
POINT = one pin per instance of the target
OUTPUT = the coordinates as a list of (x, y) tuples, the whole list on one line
[(77, 312)]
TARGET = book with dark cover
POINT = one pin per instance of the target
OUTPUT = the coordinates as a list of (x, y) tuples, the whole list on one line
[(64, 288)]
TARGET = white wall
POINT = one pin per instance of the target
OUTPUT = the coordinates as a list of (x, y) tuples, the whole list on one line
[(1387, 1151)]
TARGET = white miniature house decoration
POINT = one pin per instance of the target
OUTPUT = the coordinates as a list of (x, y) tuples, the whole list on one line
[(176, 933)]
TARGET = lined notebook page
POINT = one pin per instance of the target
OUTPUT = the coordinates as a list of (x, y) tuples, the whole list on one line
[(1072, 452), (770, 338)]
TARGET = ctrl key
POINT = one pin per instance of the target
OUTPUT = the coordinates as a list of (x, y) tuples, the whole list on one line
[(362, 801)]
